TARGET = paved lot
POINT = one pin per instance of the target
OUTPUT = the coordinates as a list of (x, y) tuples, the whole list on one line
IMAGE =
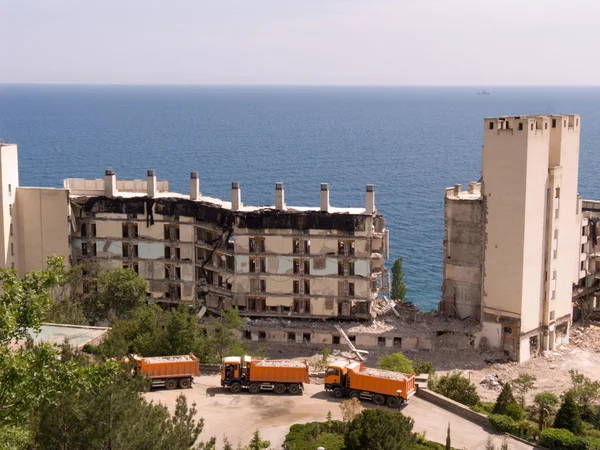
[(238, 416)]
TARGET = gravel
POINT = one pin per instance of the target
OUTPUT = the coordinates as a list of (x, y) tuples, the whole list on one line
[(383, 374), (280, 363), (163, 359)]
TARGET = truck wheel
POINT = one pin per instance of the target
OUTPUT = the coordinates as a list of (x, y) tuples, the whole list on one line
[(293, 389), (235, 388), (171, 383), (378, 399), (393, 402), (185, 383), (279, 389), (254, 388), (338, 392), (354, 394)]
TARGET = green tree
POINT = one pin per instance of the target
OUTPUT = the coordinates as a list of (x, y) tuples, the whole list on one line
[(585, 393), (119, 292), (73, 298), (505, 398), (257, 443), (421, 367), (380, 429), (222, 338), (398, 285), (183, 332), (25, 301), (396, 362), (448, 442), (522, 385), (455, 387), (142, 333), (568, 416), (545, 405), (113, 414)]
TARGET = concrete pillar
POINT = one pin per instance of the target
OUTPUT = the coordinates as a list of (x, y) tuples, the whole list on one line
[(110, 183), (236, 196), (457, 189), (194, 186), (279, 196), (324, 197), (151, 183), (370, 199)]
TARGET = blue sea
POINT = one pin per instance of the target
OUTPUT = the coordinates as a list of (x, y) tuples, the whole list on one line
[(410, 143)]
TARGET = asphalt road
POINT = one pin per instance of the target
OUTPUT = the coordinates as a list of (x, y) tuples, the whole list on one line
[(238, 416)]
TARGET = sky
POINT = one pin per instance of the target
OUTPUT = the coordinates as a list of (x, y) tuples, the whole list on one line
[(301, 42)]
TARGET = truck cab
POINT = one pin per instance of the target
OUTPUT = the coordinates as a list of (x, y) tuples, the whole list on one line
[(234, 369), (337, 374)]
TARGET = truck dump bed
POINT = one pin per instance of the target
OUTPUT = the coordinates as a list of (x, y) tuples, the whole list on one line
[(169, 366), (284, 371), (381, 381)]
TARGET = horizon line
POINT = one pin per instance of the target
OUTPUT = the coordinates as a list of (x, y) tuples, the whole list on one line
[(283, 85)]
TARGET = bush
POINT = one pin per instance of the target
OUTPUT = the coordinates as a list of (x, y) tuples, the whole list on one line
[(380, 429), (506, 424), (484, 408), (455, 387), (421, 367), (309, 436), (396, 362), (503, 423), (561, 439), (515, 412)]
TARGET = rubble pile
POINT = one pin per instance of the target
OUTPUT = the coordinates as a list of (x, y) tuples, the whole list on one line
[(586, 337), (493, 381)]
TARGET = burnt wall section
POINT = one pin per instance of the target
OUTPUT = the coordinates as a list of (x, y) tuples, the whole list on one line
[(223, 217), (301, 220)]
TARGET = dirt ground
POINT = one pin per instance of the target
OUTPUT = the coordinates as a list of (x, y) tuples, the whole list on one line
[(238, 416), (488, 370)]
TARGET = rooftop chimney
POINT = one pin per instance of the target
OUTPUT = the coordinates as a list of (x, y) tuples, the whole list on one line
[(236, 196), (110, 183), (457, 189), (279, 196), (152, 183), (324, 197), (194, 186), (370, 199)]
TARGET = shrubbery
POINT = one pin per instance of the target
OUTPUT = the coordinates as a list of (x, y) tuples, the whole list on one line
[(455, 387), (309, 436), (506, 424), (561, 439)]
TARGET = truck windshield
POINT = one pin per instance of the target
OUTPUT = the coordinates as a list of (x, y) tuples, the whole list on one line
[(228, 372), (331, 371)]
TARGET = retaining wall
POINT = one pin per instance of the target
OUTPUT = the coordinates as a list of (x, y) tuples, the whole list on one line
[(454, 407)]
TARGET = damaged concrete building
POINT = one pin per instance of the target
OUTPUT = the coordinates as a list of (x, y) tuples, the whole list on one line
[(513, 242), (586, 294), (271, 261)]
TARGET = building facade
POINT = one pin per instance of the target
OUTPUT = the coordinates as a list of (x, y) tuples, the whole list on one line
[(272, 261), (512, 246)]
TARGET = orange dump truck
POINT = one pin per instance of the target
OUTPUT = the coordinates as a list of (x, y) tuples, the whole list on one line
[(279, 376), (169, 371), (354, 380)]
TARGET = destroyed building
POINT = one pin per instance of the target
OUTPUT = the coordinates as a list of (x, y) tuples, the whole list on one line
[(513, 244), (586, 293), (268, 261)]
